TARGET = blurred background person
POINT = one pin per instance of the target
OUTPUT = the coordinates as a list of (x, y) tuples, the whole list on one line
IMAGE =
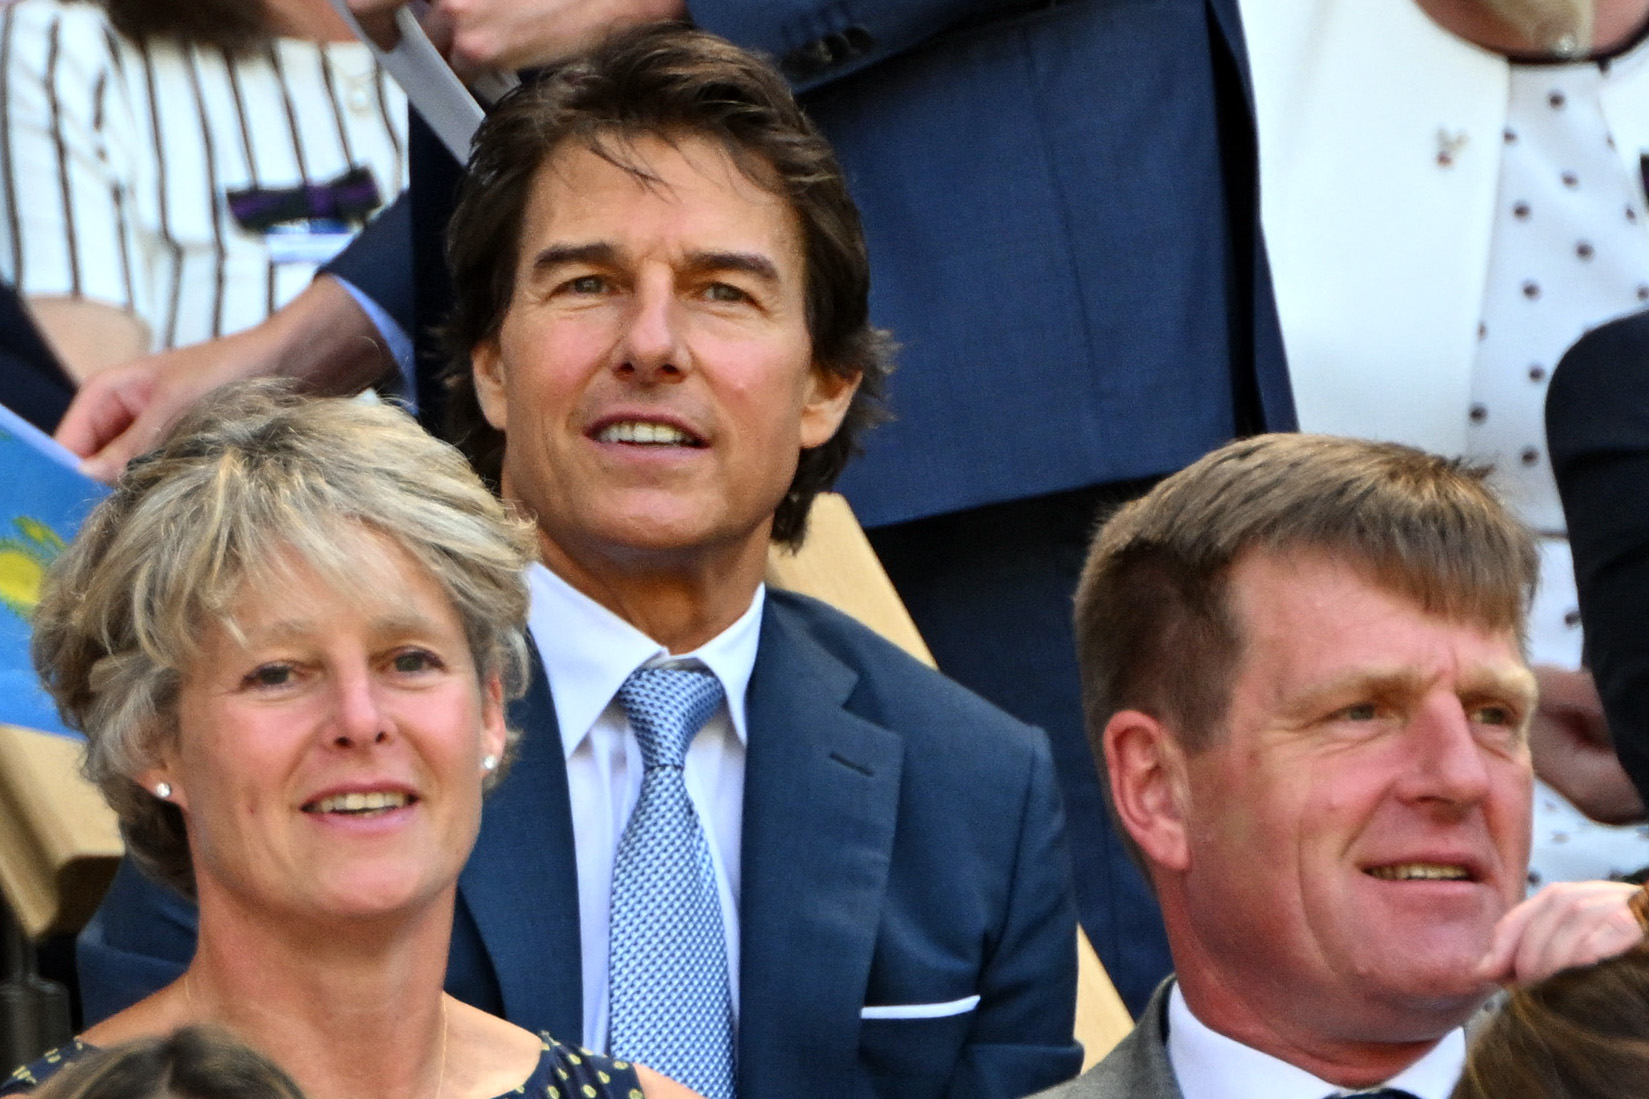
[(193, 1063), (289, 637), (174, 170), (1454, 192), (1597, 417)]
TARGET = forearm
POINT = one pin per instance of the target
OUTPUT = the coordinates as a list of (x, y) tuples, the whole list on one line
[(322, 339), (88, 337)]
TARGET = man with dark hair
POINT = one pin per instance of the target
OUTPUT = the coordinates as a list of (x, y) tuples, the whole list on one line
[(746, 841), (1080, 296), (662, 97), (1303, 674)]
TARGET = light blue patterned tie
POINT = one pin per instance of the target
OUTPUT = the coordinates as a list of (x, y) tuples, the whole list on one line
[(672, 1009)]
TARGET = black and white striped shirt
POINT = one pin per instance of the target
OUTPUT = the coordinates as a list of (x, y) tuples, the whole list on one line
[(116, 158)]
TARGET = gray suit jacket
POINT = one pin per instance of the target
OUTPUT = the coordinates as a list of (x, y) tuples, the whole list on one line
[(1137, 1068)]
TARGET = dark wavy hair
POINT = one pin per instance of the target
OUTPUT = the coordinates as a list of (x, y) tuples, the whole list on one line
[(671, 82)]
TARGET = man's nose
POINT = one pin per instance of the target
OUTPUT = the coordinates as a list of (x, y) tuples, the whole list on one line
[(1449, 762), (652, 346)]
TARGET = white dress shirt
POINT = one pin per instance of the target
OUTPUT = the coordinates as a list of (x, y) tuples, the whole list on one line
[(588, 653), (1209, 1065)]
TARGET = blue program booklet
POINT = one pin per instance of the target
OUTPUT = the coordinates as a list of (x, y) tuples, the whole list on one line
[(43, 500)]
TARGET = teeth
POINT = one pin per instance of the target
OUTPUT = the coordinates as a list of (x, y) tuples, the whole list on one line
[(644, 433), (1420, 871), (360, 803)]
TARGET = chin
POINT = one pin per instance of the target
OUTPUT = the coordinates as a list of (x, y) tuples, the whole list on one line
[(376, 894), (1430, 1000)]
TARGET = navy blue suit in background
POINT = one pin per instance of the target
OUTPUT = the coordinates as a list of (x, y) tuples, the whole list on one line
[(1061, 205), (902, 845), (1597, 427), (32, 383)]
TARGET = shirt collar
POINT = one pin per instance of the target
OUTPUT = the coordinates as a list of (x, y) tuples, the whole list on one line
[(588, 653), (1209, 1065)]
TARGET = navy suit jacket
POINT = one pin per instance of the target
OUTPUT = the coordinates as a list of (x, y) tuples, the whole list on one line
[(1061, 203), (903, 844), (1597, 427)]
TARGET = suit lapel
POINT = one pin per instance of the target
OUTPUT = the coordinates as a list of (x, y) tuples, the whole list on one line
[(820, 804), (521, 882)]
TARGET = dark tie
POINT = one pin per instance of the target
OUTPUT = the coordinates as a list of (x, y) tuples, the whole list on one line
[(672, 1009)]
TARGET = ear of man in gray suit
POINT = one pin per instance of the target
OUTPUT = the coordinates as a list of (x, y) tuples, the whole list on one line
[(1304, 683)]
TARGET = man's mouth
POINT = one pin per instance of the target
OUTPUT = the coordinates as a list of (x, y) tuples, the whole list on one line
[(359, 804), (1420, 871), (646, 433)]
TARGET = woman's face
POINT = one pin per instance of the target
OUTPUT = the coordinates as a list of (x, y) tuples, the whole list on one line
[(329, 762)]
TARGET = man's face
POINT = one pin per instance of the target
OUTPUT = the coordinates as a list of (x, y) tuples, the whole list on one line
[(1364, 820), (654, 373)]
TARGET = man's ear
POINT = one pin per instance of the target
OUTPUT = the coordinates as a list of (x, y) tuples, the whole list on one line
[(828, 396), (487, 367), (1148, 784)]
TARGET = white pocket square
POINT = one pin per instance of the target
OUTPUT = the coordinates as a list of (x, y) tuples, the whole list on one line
[(920, 1011)]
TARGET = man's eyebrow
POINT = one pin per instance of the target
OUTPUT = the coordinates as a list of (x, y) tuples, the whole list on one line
[(1512, 684), (751, 263), (559, 255), (1365, 682), (1515, 682)]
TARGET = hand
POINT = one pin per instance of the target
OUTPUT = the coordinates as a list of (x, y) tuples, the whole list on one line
[(321, 337), (123, 411), (1564, 925), (1572, 750), (520, 34)]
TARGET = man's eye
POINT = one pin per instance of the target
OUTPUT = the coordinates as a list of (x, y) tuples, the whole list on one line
[(1494, 715), (721, 291), (586, 284), (1359, 711)]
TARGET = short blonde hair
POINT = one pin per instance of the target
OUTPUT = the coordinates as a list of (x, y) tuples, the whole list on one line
[(251, 476)]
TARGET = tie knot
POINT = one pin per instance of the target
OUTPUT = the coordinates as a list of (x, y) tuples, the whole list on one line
[(667, 707)]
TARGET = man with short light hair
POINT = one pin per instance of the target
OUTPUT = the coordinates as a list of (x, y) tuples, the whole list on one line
[(1303, 675)]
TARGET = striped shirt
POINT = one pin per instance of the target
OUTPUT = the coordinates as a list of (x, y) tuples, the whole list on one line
[(117, 159)]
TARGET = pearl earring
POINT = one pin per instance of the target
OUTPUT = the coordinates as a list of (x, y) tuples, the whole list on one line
[(163, 790), (489, 763)]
